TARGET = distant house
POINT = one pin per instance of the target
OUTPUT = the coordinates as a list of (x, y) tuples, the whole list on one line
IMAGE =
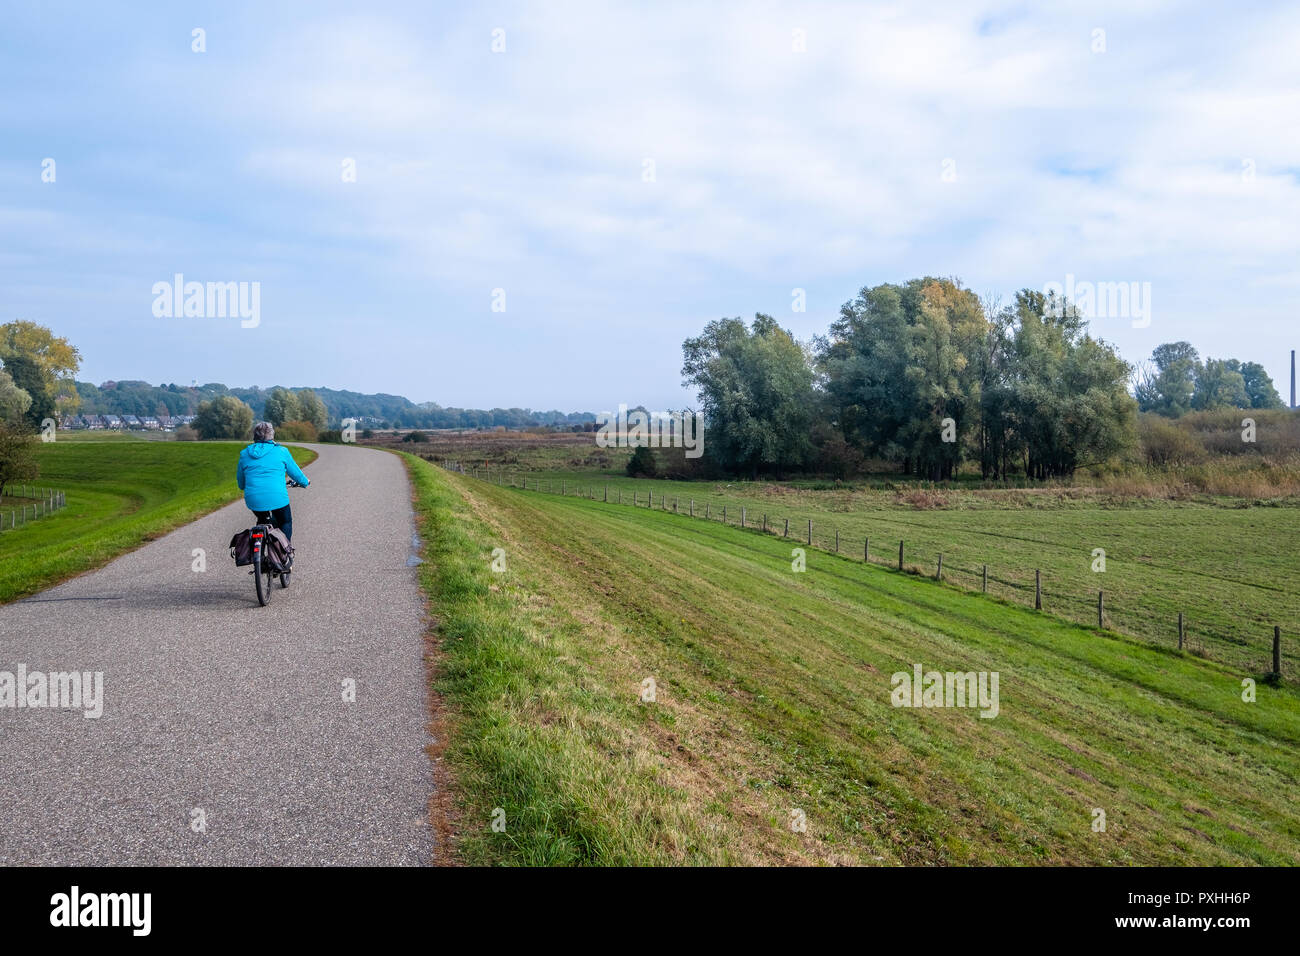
[(111, 421), (149, 422), (130, 421)]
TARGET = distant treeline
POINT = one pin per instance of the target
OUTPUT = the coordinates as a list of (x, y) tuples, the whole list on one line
[(377, 411)]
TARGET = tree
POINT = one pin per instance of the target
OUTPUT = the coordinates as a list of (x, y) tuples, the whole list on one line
[(26, 375), (281, 406), (1169, 390), (17, 455), (224, 417), (904, 372), (1259, 386), (56, 363), (1219, 384), (642, 463), (755, 388), (312, 409), (14, 401), (1068, 391)]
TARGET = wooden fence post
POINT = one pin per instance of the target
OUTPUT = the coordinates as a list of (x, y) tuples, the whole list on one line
[(692, 507), (866, 549), (986, 579), (786, 532), (1038, 590), (1277, 650), (900, 555), (764, 524), (742, 516), (938, 575), (1180, 630), (837, 540), (1101, 609), (708, 507), (810, 532)]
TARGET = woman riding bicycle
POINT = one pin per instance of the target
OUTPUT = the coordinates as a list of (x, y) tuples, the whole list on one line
[(263, 466)]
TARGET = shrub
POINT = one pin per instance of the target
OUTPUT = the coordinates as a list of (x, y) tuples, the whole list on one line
[(296, 431), (642, 464), (833, 455), (224, 417), (1164, 443), (186, 433), (332, 435), (415, 437), (17, 455)]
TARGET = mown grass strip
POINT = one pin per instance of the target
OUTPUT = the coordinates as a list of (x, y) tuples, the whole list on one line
[(774, 697)]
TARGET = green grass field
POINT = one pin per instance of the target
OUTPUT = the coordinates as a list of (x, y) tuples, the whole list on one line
[(120, 494), (1225, 564), (773, 696)]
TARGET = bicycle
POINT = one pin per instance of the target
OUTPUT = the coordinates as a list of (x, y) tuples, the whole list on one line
[(264, 569)]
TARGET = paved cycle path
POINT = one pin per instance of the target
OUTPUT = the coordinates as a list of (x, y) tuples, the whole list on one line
[(220, 712)]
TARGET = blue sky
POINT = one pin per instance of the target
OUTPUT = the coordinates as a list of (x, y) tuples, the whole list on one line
[(1170, 157)]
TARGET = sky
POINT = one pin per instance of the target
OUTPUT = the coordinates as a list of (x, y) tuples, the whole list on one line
[(549, 198)]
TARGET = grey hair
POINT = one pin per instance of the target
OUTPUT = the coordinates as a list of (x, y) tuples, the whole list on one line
[(263, 431)]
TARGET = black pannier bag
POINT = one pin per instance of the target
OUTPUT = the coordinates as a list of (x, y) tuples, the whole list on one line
[(277, 553)]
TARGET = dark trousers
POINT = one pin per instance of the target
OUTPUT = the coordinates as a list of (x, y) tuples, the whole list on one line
[(281, 518)]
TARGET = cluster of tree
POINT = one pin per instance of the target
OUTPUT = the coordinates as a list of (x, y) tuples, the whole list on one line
[(922, 374), (302, 408), (36, 383), (1175, 381), (387, 411), (36, 374)]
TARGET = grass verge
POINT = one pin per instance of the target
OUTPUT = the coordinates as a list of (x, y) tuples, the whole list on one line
[(772, 704), (120, 494)]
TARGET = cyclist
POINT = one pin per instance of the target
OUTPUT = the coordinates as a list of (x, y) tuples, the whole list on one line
[(263, 466)]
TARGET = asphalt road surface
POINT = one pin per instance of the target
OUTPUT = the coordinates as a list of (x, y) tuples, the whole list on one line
[(225, 736)]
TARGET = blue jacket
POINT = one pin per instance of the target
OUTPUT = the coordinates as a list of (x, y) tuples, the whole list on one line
[(261, 471)]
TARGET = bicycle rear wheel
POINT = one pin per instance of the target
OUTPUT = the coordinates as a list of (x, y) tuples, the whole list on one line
[(263, 589)]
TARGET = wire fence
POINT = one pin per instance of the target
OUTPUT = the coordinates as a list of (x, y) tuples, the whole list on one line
[(38, 503), (1031, 588)]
